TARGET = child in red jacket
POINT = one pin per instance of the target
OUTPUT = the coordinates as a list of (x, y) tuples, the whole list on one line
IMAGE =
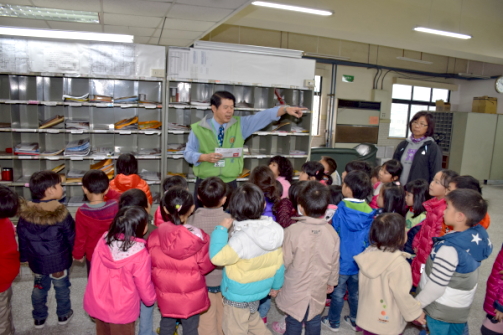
[(179, 262), (9, 256), (493, 303), (127, 176), (93, 219)]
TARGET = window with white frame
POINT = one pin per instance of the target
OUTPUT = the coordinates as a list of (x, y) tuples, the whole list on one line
[(315, 121), (407, 100)]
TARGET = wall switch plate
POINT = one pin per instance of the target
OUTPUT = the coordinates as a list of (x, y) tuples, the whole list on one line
[(157, 73), (309, 83)]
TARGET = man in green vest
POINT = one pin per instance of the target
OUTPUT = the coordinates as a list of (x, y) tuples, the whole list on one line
[(224, 130)]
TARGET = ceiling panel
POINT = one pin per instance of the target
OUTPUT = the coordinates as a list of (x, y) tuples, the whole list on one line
[(141, 39), (136, 31), (132, 20), (135, 7), (198, 13), (87, 5), (97, 28), (17, 2), (28, 23), (174, 42), (188, 25), (230, 4), (182, 34)]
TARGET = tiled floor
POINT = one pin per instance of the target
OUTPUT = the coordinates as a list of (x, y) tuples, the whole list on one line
[(81, 324)]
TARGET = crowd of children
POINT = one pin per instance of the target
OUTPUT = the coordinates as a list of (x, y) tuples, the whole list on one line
[(397, 253)]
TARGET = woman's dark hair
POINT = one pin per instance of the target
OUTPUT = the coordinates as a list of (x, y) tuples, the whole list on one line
[(176, 201), (359, 166), (174, 181), (393, 167), (127, 164), (393, 198), (420, 191), (285, 167), (247, 202), (130, 222), (447, 177), (133, 197), (9, 202), (211, 191), (315, 199), (216, 98), (336, 195), (263, 177), (40, 181), (467, 182), (387, 232), (429, 119), (95, 181), (294, 191), (359, 183), (332, 164), (315, 169)]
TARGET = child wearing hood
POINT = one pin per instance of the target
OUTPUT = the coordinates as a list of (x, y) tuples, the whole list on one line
[(252, 259), (449, 280)]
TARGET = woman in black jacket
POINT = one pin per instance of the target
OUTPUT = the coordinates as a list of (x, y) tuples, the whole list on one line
[(420, 156)]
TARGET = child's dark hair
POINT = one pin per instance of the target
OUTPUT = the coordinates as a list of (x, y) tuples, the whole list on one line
[(332, 164), (176, 201), (387, 232), (336, 195), (419, 189), (95, 181), (127, 164), (315, 199), (358, 182), (447, 177), (247, 202), (470, 203), (375, 172), (174, 181), (129, 222), (133, 197), (315, 169), (393, 198), (294, 191), (393, 167), (359, 166), (263, 177), (211, 191), (9, 202), (467, 182), (40, 181), (285, 167)]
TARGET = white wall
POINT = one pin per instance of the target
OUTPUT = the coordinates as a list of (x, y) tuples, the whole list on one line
[(462, 100)]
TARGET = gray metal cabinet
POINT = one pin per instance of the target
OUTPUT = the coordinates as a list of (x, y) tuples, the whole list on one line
[(497, 161)]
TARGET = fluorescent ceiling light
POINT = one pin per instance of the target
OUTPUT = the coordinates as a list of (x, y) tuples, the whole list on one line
[(414, 60), (68, 35), (443, 33), (252, 49), (51, 14), (292, 8), (315, 55)]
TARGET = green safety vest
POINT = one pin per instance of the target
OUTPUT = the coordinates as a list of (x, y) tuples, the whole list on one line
[(207, 144)]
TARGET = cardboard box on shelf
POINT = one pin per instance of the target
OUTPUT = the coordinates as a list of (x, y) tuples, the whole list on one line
[(442, 106), (485, 104)]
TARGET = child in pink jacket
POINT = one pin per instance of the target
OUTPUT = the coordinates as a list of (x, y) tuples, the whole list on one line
[(121, 275)]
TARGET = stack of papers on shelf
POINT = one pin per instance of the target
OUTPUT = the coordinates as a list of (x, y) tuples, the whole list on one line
[(245, 173), (200, 103), (181, 174), (83, 98), (5, 125), (51, 121), (148, 151), (52, 152), (100, 98), (127, 124), (297, 153), (106, 166), (104, 151), (282, 124), (176, 148), (298, 129), (244, 104), (176, 126), (149, 124), (77, 124), (75, 176), (27, 149), (78, 148), (58, 168), (77, 201), (133, 98), (150, 175)]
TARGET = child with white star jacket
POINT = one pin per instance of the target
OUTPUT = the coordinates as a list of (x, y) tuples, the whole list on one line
[(449, 280)]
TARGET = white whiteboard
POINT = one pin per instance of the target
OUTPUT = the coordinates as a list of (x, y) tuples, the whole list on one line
[(236, 67)]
